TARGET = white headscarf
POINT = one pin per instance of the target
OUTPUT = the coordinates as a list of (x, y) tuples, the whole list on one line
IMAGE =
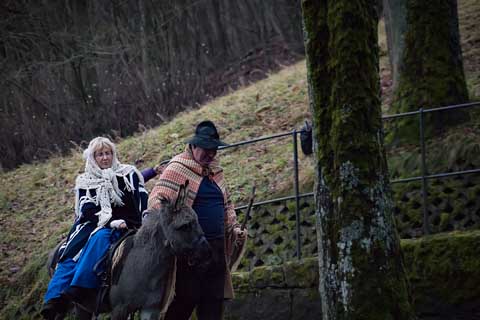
[(103, 181)]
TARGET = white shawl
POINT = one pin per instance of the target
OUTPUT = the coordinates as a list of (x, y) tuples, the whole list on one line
[(105, 184)]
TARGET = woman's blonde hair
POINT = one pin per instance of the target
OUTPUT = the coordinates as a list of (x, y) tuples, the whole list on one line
[(99, 143)]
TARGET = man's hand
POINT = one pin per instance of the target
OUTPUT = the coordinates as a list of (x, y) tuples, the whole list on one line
[(240, 234), (159, 168)]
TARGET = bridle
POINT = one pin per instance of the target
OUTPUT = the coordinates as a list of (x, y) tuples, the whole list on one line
[(169, 244)]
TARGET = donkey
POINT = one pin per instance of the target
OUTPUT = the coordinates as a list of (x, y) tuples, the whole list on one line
[(143, 271), (145, 276)]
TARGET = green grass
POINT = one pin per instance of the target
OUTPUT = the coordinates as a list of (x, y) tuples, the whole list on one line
[(37, 200)]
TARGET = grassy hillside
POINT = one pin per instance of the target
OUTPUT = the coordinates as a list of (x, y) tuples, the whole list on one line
[(36, 201)]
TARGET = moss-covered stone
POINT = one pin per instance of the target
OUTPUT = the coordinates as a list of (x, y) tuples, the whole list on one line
[(444, 220), (266, 304), (267, 276), (240, 281), (443, 270), (452, 204), (301, 274), (306, 304)]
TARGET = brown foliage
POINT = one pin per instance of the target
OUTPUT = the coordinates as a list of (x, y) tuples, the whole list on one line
[(72, 70)]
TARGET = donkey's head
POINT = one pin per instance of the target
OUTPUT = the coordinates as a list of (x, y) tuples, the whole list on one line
[(182, 229)]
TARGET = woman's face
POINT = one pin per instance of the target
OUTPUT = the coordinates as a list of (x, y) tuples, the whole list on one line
[(104, 157)]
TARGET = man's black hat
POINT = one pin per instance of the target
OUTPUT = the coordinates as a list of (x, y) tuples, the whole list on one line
[(206, 136)]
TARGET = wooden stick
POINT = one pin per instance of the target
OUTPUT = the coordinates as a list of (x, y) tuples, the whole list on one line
[(249, 208)]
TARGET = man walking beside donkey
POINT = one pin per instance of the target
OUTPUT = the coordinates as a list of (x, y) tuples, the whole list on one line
[(203, 288)]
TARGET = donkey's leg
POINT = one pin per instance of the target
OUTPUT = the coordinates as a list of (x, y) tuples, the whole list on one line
[(119, 313), (60, 316), (150, 314), (82, 314)]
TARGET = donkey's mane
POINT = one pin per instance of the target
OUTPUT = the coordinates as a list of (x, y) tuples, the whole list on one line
[(151, 233)]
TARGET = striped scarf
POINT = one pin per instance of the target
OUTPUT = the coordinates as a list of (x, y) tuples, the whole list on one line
[(183, 167)]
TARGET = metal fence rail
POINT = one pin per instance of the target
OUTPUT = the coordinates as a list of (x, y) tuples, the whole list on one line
[(424, 177), (424, 170)]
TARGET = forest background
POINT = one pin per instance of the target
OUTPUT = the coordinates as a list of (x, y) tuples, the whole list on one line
[(72, 70)]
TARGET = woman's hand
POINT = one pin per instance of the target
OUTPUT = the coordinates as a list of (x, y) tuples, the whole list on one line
[(118, 224)]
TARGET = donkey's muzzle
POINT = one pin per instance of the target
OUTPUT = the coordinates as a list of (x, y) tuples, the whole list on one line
[(203, 247), (202, 251)]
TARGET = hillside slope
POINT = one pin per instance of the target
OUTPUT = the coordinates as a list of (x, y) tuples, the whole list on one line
[(36, 201)]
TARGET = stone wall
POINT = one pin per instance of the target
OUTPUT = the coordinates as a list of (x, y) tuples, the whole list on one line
[(443, 270), (287, 291), (453, 204)]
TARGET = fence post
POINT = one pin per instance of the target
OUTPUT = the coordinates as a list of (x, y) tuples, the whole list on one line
[(297, 198), (426, 225)]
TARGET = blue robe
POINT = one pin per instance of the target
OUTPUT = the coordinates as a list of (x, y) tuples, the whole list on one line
[(83, 250)]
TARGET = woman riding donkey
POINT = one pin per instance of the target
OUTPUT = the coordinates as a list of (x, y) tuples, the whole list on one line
[(110, 199), (202, 288)]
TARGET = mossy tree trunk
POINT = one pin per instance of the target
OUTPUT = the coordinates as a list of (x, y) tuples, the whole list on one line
[(361, 269), (426, 57), (394, 14)]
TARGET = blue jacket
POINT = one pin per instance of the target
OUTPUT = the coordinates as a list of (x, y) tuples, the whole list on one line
[(134, 204)]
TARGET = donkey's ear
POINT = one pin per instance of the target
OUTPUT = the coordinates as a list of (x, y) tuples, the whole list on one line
[(182, 195), (178, 201)]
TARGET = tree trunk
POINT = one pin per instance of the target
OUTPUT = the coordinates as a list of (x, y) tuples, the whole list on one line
[(145, 70), (361, 268), (394, 12), (426, 57)]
